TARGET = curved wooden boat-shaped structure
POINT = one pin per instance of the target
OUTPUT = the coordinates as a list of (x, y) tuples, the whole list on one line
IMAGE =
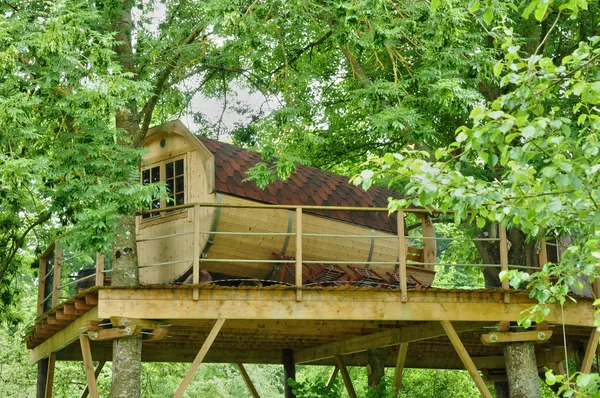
[(201, 170)]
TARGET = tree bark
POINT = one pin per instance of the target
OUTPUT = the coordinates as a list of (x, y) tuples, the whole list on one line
[(520, 252), (521, 369), (375, 367)]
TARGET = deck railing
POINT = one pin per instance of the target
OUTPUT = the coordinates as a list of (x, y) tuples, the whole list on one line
[(52, 280)]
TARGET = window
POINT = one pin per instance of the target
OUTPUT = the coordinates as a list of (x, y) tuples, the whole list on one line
[(171, 172)]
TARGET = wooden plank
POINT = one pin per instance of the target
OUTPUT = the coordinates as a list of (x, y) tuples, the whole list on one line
[(97, 370), (261, 303), (503, 257), (402, 350), (50, 375), (196, 251), (247, 380), (99, 269), (110, 334), (347, 380), (69, 309), (62, 338), (41, 286), (91, 299), (88, 365), (61, 316), (402, 256), (590, 351), (333, 375), (429, 245), (80, 304), (198, 360), (543, 254), (466, 359), (512, 337), (298, 254), (57, 272), (406, 334)]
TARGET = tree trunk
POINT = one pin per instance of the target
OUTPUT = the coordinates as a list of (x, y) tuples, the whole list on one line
[(521, 369), (520, 252), (375, 367)]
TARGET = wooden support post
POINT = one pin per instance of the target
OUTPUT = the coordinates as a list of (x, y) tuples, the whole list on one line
[(99, 269), (504, 260), (402, 256), (299, 253), (466, 359), (97, 370), (198, 360), (429, 245), (42, 376), (89, 367), (590, 352), (197, 249), (543, 254), (345, 376), (400, 366), (56, 279), (50, 375), (41, 286), (289, 372), (332, 376), (247, 380)]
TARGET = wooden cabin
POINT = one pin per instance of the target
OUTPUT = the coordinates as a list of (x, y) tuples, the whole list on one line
[(309, 271), (255, 242)]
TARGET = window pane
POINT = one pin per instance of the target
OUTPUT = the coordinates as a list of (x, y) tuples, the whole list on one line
[(179, 167), (179, 184), (146, 177), (155, 174), (170, 185), (169, 170), (179, 199)]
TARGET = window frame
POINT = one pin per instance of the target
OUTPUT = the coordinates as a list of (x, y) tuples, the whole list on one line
[(162, 166)]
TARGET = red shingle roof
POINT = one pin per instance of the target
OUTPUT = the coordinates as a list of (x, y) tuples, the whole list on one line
[(306, 186)]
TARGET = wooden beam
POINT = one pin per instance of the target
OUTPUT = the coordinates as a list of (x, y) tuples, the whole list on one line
[(247, 380), (56, 277), (99, 270), (89, 367), (62, 338), (402, 256), (590, 351), (196, 251), (327, 305), (429, 245), (80, 304), (298, 275), (41, 286), (466, 359), (91, 299), (97, 370), (50, 375), (333, 375), (406, 334), (539, 336), (400, 366), (504, 259), (347, 380), (198, 360)]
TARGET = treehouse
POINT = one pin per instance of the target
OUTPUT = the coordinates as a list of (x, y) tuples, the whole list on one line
[(312, 270)]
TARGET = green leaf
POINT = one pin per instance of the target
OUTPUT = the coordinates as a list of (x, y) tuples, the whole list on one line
[(480, 222), (529, 9), (488, 15), (435, 4), (540, 11), (498, 68), (474, 5)]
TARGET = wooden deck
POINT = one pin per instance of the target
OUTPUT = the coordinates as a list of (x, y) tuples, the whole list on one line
[(263, 321)]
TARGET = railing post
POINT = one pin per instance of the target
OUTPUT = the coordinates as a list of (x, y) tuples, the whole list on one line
[(57, 272), (429, 245), (402, 256), (298, 253), (543, 254), (196, 256), (41, 286), (504, 260), (99, 269)]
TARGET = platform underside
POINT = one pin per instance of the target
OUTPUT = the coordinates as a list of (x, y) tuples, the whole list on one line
[(261, 322)]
